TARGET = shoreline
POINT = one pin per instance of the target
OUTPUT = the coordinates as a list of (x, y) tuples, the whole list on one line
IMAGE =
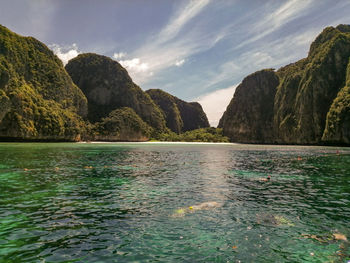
[(176, 143)]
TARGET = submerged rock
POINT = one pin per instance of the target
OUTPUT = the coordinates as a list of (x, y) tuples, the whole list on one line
[(203, 206), (273, 220), (326, 238)]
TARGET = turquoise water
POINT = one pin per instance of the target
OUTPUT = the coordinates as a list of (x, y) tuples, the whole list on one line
[(64, 202)]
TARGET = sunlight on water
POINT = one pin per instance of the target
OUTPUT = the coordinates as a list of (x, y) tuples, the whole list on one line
[(173, 203)]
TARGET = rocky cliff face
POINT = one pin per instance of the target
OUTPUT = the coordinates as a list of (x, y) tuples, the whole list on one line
[(167, 104), (38, 100), (311, 101), (192, 115), (249, 116), (108, 86), (338, 117), (309, 87), (180, 116)]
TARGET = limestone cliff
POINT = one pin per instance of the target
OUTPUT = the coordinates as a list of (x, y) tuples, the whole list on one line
[(310, 103), (249, 116), (107, 86), (38, 100), (338, 118), (167, 104), (180, 116), (309, 87)]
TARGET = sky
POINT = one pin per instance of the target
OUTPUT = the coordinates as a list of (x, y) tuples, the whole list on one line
[(197, 50)]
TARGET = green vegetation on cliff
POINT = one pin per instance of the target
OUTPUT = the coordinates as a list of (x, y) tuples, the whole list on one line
[(338, 118), (107, 86), (38, 99), (199, 135), (180, 116), (309, 87), (310, 104), (122, 125)]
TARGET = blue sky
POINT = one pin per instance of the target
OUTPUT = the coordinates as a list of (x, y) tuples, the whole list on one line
[(196, 50)]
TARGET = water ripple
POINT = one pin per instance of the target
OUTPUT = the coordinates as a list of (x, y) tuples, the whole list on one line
[(173, 203)]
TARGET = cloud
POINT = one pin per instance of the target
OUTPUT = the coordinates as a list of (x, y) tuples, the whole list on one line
[(287, 12), (181, 18), (134, 65), (226, 71), (160, 57), (179, 63), (215, 103), (65, 53), (119, 55), (161, 50), (278, 52)]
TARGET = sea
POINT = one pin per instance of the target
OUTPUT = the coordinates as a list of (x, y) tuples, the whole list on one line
[(173, 202)]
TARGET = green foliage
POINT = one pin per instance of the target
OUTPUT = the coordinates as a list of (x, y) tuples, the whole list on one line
[(199, 135), (39, 100), (122, 124), (32, 61), (36, 118), (5, 104), (343, 28)]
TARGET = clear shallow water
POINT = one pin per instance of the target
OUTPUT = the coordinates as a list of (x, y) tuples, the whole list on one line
[(130, 203)]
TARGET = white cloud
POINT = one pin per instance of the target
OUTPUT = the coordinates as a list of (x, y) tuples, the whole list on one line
[(134, 65), (278, 52), (224, 73), (179, 63), (65, 53), (287, 12), (119, 55), (215, 103), (181, 17), (137, 68), (161, 50), (256, 59)]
